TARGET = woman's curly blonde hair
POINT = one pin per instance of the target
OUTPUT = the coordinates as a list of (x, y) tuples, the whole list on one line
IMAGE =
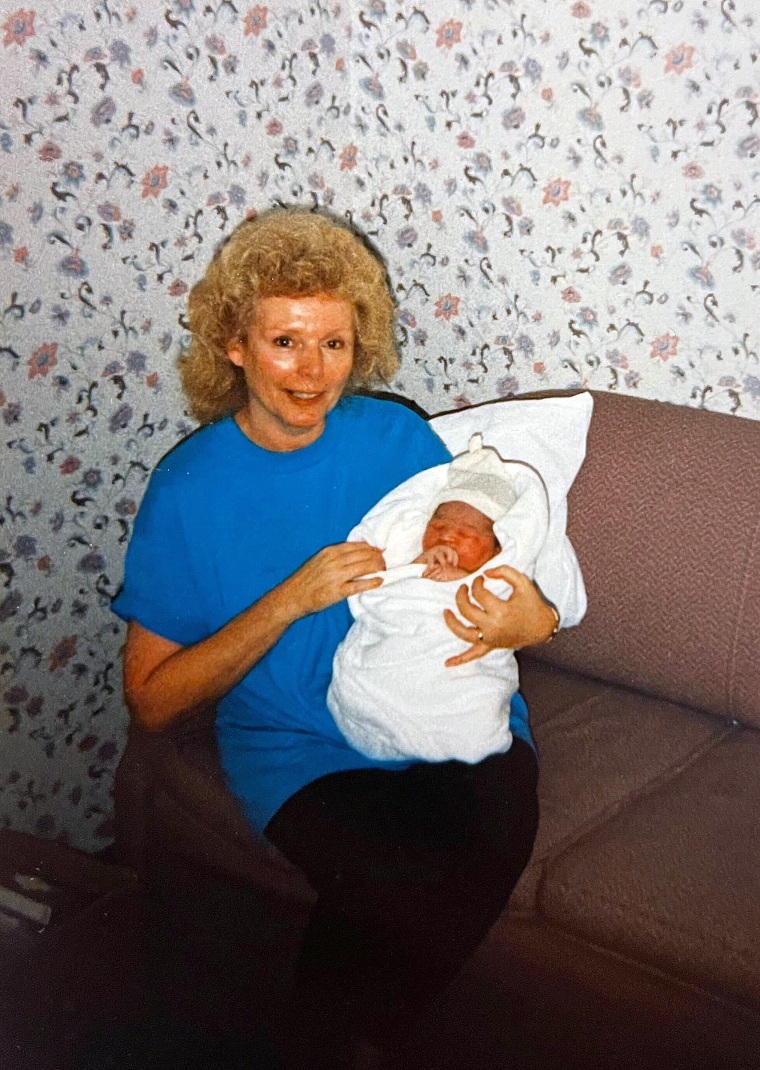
[(285, 252)]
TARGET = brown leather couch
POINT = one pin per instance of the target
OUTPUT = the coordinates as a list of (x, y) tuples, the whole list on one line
[(633, 938)]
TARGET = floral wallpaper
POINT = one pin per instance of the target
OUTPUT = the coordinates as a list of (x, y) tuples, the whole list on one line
[(566, 191)]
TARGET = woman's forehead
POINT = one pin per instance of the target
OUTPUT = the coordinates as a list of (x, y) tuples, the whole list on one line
[(307, 309)]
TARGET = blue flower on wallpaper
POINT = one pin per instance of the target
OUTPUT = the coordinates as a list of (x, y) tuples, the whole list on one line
[(748, 147), (620, 275), (74, 265), (182, 93), (591, 116), (73, 173), (103, 112), (91, 563), (406, 238), (513, 119), (373, 87), (121, 418), (702, 275), (121, 53)]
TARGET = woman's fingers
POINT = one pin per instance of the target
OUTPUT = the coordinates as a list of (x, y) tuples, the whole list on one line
[(518, 580), (470, 634), (489, 621), (359, 586), (477, 650), (335, 573), (350, 555), (347, 561), (472, 610)]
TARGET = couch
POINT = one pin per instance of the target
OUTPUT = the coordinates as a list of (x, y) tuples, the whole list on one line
[(633, 938)]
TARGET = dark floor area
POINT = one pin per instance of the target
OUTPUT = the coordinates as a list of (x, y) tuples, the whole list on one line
[(164, 1043)]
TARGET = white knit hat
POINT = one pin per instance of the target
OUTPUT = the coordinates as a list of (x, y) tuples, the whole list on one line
[(479, 478)]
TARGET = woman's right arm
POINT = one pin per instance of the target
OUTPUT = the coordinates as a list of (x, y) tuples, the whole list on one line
[(164, 680)]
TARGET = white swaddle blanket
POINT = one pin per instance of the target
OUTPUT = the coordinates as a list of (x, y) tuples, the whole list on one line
[(391, 694)]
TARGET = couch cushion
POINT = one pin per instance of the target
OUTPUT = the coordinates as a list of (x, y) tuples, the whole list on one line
[(675, 879), (665, 519), (601, 749)]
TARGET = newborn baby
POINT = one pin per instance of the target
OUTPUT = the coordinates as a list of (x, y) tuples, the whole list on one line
[(391, 695), (458, 540)]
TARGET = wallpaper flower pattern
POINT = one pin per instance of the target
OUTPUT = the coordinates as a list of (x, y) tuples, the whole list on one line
[(567, 192)]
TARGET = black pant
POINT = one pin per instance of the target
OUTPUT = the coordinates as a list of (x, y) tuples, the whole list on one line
[(411, 869)]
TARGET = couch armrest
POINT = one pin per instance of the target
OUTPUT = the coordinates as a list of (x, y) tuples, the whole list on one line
[(172, 802), (131, 801)]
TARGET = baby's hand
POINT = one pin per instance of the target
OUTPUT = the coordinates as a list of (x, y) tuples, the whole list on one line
[(442, 562)]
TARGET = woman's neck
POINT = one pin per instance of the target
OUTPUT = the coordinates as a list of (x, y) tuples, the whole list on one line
[(276, 438)]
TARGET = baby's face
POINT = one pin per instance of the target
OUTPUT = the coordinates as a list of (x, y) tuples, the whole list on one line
[(466, 530)]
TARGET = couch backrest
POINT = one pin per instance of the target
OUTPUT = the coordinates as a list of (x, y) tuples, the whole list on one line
[(665, 518)]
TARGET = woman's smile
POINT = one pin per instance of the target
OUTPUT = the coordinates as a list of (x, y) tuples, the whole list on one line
[(297, 358)]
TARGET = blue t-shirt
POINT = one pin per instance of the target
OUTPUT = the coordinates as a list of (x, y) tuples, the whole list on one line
[(222, 522)]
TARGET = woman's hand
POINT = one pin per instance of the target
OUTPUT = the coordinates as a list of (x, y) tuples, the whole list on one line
[(332, 575), (523, 619), (163, 680)]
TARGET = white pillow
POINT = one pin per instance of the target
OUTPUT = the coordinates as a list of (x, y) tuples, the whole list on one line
[(549, 434)]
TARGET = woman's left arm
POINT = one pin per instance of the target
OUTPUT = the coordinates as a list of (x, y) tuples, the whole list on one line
[(523, 619)]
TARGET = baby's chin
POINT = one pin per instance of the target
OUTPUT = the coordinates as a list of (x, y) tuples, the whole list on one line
[(468, 567)]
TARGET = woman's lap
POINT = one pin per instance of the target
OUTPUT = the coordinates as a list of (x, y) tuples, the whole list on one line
[(411, 869)]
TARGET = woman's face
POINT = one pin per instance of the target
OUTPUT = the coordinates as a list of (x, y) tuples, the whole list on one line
[(464, 529), (297, 359)]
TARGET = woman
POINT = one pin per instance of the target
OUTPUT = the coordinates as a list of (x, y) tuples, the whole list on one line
[(235, 587)]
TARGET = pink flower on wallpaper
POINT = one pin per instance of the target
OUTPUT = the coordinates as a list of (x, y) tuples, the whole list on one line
[(43, 359), (255, 21), (49, 152), (571, 295), (555, 192), (274, 127), (19, 27), (580, 10), (664, 347), (154, 181), (449, 34), (62, 652), (693, 170), (70, 465), (447, 307), (679, 59), (465, 140), (349, 157), (178, 288)]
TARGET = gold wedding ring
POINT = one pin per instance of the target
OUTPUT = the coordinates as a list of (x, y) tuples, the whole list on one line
[(480, 637)]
